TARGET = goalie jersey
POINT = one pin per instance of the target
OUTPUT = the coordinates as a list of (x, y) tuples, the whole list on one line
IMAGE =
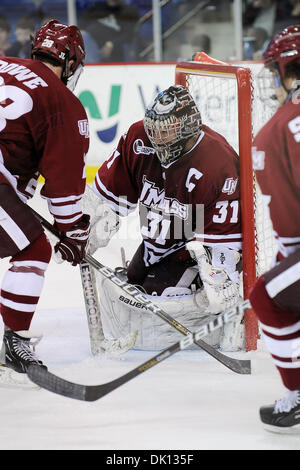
[(275, 156), (197, 196)]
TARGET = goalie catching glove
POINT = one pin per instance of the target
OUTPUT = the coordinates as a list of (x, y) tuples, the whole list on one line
[(73, 242), (220, 278)]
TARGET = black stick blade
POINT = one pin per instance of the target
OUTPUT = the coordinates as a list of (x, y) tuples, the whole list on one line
[(51, 382), (240, 366)]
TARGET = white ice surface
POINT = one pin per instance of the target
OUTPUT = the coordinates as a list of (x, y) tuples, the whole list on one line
[(190, 401)]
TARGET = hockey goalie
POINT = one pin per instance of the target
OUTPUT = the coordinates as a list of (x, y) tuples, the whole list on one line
[(183, 178)]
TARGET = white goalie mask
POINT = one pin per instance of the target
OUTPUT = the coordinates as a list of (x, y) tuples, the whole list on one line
[(170, 121)]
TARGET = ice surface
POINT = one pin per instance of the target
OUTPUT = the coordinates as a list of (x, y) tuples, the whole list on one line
[(188, 402)]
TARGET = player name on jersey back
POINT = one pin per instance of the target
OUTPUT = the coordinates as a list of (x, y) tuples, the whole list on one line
[(22, 74)]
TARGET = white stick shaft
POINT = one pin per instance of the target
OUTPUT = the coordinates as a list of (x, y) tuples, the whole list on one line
[(92, 307), (211, 325)]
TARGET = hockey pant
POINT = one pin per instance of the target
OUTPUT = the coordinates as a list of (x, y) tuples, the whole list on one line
[(276, 301), (22, 238), (169, 272)]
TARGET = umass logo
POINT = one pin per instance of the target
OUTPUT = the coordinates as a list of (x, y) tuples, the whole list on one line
[(88, 101)]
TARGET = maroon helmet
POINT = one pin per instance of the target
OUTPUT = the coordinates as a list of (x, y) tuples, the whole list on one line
[(60, 43), (283, 49)]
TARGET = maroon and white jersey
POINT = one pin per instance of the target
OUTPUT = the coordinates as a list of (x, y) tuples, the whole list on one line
[(276, 160), (43, 131), (196, 196)]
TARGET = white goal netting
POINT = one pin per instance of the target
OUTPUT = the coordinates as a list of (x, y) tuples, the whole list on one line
[(217, 97)]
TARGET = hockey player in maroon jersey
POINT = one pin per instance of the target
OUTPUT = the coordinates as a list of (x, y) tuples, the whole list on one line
[(43, 131), (276, 295), (184, 176)]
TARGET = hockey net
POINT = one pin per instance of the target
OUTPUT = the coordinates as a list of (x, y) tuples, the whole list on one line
[(229, 102)]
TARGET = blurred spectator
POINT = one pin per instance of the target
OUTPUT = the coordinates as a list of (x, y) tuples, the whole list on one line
[(261, 13), (201, 43), (93, 53), (47, 18), (25, 28), (111, 24), (5, 30), (260, 40), (296, 9), (271, 15), (172, 49), (176, 50), (91, 47)]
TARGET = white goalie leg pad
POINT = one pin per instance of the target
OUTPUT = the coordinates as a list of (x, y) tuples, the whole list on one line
[(104, 221), (233, 335), (122, 314)]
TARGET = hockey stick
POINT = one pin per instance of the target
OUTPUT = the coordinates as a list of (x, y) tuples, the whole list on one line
[(92, 308), (236, 365), (55, 384), (99, 344)]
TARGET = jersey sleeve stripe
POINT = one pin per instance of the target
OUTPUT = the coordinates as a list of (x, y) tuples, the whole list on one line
[(232, 241), (237, 236), (119, 204), (99, 186), (66, 210), (58, 200), (69, 220)]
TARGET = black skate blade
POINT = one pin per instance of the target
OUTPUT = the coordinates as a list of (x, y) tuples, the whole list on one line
[(291, 430)]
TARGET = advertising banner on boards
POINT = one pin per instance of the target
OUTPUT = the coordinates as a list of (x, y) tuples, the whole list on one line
[(115, 96)]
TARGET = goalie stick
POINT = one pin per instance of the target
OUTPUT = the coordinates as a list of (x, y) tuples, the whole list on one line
[(236, 365), (55, 384), (99, 344)]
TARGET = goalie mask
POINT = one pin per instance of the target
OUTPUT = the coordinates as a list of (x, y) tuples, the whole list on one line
[(170, 121), (60, 44)]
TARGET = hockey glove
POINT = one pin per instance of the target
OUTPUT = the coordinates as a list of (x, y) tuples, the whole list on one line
[(73, 242), (222, 293), (104, 221)]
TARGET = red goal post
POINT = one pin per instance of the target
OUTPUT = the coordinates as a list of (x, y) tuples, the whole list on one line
[(213, 79)]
